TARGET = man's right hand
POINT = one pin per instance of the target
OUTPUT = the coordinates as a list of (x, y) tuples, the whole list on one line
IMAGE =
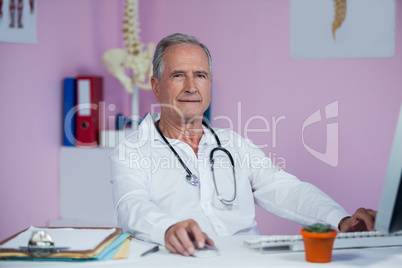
[(179, 237)]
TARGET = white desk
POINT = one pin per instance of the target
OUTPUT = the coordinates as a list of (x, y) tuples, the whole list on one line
[(233, 254)]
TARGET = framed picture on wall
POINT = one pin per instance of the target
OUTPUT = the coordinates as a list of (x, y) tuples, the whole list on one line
[(342, 28), (18, 21)]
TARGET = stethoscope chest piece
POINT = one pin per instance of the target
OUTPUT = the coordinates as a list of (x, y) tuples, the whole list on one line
[(193, 179)]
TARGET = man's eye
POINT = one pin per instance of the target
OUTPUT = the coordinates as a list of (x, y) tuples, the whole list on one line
[(178, 75), (201, 76)]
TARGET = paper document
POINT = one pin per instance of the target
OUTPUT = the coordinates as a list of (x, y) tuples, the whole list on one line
[(75, 239)]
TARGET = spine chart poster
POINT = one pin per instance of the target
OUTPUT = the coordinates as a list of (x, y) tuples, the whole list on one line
[(342, 28)]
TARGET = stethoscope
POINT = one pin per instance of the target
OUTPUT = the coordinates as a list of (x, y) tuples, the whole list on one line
[(193, 179)]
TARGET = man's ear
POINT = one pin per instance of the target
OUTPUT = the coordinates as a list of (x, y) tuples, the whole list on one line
[(155, 87)]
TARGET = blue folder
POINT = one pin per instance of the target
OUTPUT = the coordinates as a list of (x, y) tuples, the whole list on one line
[(69, 103)]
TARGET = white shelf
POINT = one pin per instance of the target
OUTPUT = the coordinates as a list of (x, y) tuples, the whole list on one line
[(85, 188)]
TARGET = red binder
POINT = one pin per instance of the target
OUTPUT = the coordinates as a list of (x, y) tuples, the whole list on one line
[(89, 116)]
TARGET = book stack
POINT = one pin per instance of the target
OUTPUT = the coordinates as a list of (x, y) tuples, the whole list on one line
[(82, 111), (70, 244)]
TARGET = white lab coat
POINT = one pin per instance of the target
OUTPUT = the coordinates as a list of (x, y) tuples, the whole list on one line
[(151, 192)]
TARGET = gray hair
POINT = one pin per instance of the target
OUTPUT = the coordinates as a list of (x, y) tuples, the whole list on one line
[(173, 39)]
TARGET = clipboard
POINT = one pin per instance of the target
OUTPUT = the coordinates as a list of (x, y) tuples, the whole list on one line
[(95, 244)]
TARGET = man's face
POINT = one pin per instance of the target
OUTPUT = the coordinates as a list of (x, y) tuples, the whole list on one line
[(185, 84)]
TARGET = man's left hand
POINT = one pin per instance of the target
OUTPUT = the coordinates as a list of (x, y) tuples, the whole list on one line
[(361, 220)]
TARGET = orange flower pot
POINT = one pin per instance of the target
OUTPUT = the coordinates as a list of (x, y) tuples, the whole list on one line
[(318, 246)]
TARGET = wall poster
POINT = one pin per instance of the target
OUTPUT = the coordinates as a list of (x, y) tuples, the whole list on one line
[(18, 21), (342, 28)]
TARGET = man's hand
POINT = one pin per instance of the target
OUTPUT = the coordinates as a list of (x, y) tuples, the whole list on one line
[(179, 237), (362, 220)]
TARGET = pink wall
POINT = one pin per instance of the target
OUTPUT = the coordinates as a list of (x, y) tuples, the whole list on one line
[(249, 42), (72, 35)]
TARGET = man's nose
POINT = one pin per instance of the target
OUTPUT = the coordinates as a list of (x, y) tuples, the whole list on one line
[(190, 85)]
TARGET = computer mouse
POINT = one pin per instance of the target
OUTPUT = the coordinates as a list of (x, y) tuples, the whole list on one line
[(206, 252)]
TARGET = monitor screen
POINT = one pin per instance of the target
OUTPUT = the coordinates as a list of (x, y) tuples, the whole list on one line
[(389, 215)]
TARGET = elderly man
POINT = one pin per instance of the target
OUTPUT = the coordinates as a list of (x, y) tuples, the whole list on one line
[(164, 188)]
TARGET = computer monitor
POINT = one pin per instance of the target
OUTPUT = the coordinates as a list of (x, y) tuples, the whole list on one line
[(389, 215)]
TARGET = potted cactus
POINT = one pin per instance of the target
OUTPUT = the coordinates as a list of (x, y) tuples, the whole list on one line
[(318, 241)]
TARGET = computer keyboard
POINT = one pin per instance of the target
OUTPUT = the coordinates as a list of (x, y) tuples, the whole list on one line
[(285, 243)]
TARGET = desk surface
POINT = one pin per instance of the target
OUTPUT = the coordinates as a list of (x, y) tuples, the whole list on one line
[(232, 253)]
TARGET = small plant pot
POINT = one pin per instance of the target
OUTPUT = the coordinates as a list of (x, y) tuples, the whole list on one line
[(318, 246)]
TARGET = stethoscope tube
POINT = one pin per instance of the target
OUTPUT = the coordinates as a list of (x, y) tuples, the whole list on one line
[(190, 177), (193, 179), (226, 202)]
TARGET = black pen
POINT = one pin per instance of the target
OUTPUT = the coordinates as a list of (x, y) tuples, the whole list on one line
[(149, 251)]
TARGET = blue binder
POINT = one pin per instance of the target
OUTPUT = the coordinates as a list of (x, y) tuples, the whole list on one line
[(69, 103)]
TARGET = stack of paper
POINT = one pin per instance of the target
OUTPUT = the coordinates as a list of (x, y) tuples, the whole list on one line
[(84, 244)]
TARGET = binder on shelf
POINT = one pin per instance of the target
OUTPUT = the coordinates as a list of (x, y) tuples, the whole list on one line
[(78, 244), (89, 116), (69, 98)]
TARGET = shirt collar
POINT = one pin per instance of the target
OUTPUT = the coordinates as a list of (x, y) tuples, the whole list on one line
[(207, 138)]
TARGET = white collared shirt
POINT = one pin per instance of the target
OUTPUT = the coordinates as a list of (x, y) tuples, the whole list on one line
[(151, 192)]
